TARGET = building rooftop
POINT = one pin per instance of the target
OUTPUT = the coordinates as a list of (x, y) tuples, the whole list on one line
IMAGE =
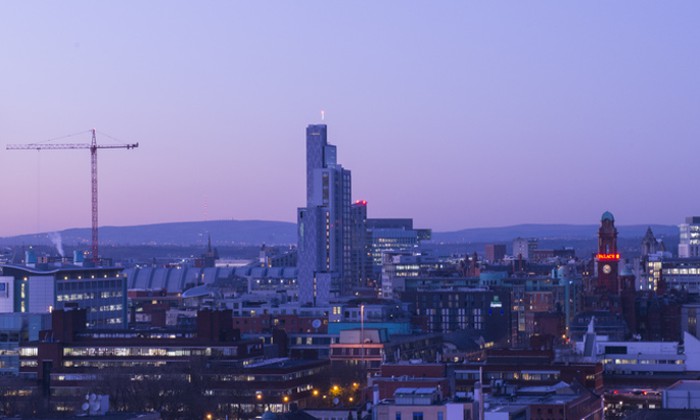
[(415, 391), (685, 385), (50, 270)]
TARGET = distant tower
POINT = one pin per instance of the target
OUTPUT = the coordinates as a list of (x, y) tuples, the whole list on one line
[(649, 244), (608, 257), (361, 258), (208, 259), (524, 248)]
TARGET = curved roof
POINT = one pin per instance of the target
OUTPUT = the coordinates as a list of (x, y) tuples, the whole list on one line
[(197, 291), (607, 216)]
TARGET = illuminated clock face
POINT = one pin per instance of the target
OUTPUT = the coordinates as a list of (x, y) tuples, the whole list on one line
[(607, 269)]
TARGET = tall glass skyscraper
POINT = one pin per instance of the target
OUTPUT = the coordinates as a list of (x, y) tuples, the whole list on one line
[(324, 224)]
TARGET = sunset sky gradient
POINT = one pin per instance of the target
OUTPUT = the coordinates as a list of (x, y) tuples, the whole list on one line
[(458, 114)]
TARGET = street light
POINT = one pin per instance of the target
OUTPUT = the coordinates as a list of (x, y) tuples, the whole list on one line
[(362, 334)]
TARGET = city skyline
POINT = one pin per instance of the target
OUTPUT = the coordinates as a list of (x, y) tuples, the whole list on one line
[(455, 115)]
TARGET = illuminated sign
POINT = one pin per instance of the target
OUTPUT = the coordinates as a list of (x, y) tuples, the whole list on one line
[(608, 257), (496, 302)]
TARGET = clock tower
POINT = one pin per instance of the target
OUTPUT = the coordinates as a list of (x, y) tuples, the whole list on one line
[(608, 257)]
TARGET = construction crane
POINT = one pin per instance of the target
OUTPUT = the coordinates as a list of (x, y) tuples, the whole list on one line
[(93, 146)]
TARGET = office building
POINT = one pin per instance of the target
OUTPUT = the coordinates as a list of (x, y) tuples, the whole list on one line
[(639, 357), (526, 368), (494, 252), (412, 373), (15, 330), (674, 274), (560, 401), (399, 268), (689, 245), (689, 319), (360, 270), (424, 403), (395, 236), (100, 290), (68, 360), (324, 224), (481, 311), (370, 347), (523, 248)]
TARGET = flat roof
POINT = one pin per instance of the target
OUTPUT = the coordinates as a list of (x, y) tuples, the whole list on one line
[(415, 391), (685, 385), (53, 269)]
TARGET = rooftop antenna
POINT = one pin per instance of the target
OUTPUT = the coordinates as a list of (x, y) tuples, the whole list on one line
[(323, 115)]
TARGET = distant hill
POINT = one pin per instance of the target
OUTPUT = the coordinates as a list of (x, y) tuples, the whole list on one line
[(547, 232), (257, 232), (223, 232)]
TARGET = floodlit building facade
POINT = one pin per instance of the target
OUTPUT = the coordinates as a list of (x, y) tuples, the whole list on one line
[(324, 254)]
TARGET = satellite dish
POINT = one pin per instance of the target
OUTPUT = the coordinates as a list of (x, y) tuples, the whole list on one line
[(85, 406), (93, 397), (316, 323), (94, 407), (336, 401)]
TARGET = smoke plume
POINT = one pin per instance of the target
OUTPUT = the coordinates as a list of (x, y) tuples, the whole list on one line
[(57, 241)]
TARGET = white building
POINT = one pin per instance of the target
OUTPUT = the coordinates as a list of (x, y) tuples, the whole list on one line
[(523, 248), (640, 357), (689, 245)]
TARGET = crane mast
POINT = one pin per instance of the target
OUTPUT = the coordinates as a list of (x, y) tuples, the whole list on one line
[(92, 146), (93, 166)]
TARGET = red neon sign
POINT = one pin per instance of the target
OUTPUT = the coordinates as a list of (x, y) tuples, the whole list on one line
[(608, 257)]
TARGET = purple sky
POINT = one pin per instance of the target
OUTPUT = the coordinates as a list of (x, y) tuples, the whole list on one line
[(458, 114)]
